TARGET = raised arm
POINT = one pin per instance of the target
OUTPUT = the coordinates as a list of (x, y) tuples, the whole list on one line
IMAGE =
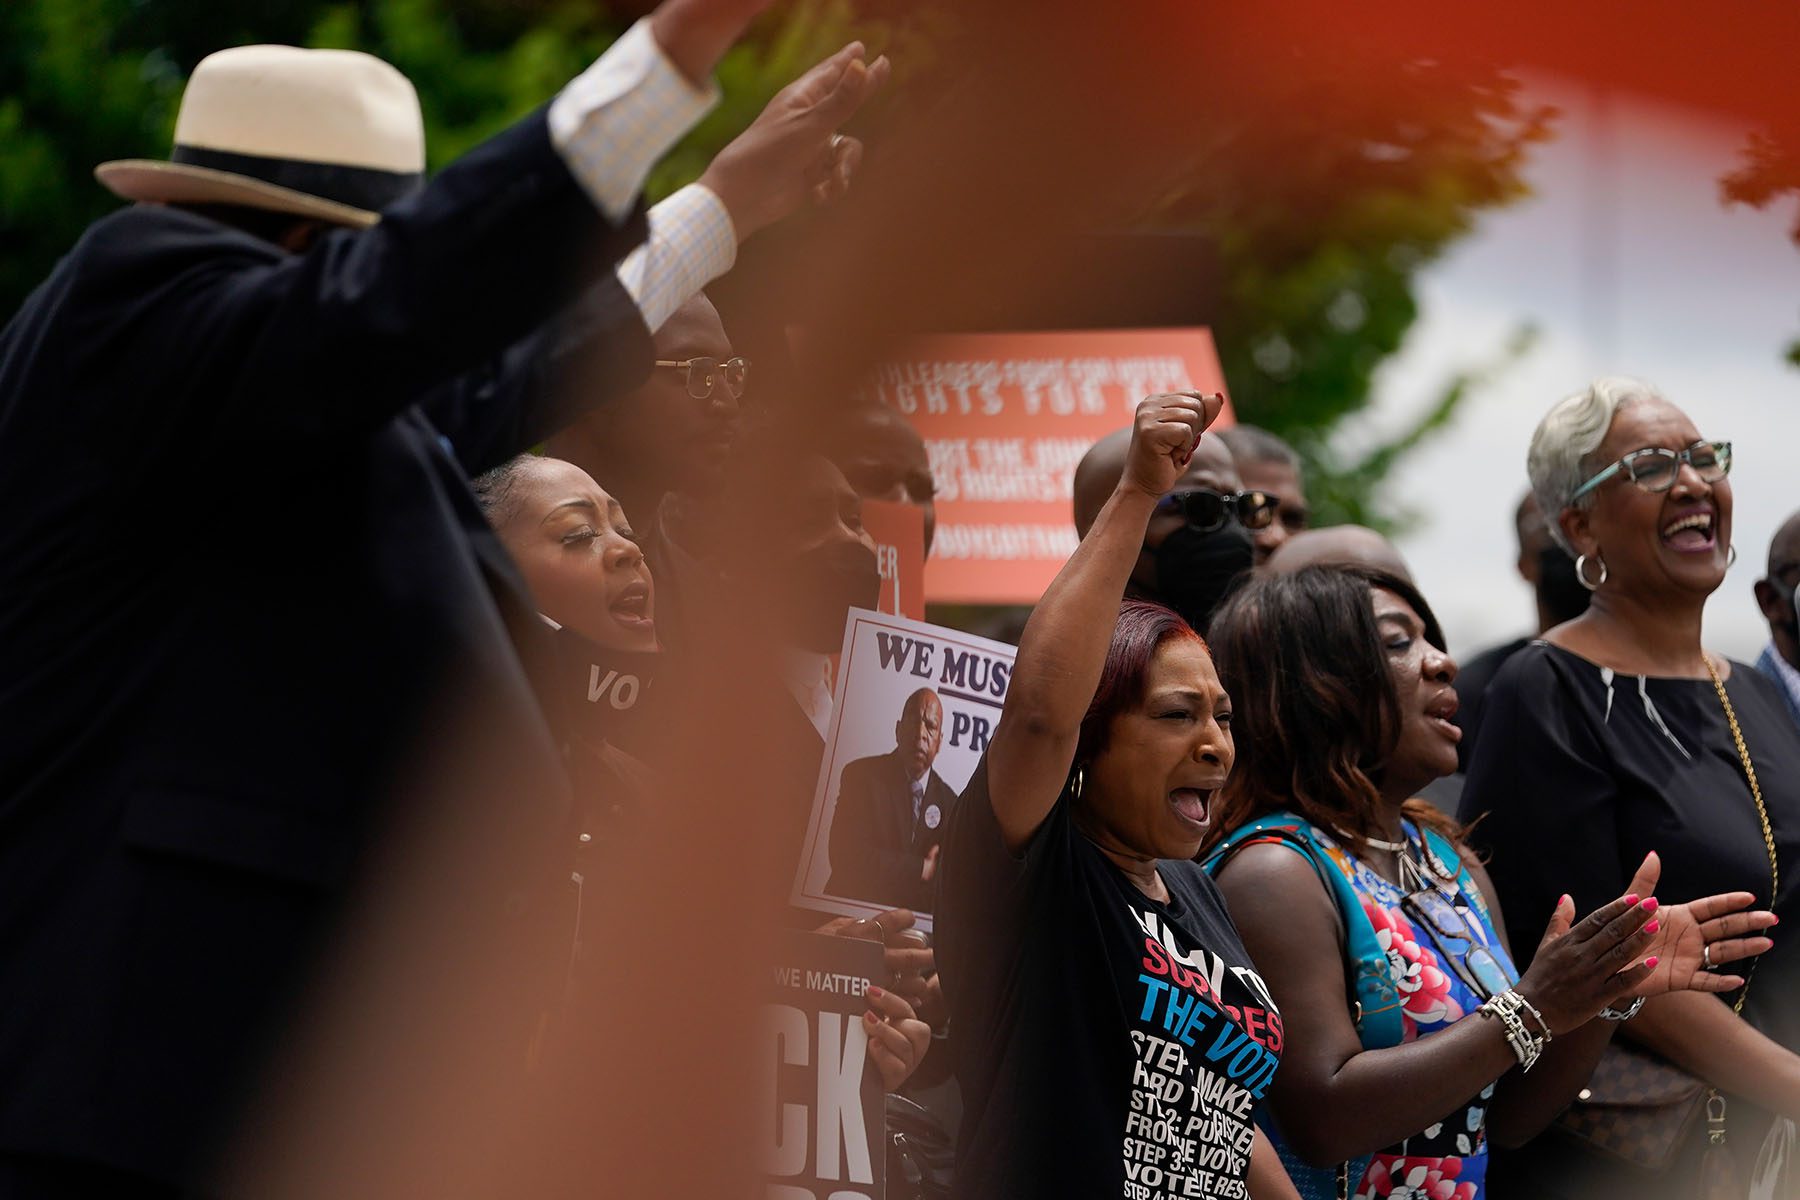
[(340, 338), (1064, 645)]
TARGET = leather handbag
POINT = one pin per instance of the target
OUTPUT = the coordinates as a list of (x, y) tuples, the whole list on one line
[(1640, 1108)]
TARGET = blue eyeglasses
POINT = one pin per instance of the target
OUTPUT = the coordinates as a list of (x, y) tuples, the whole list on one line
[(1655, 469)]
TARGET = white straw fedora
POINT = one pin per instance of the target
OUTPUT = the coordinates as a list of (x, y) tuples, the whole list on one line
[(332, 134)]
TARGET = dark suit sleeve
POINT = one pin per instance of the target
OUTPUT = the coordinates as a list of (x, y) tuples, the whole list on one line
[(853, 832), (879, 868), (337, 340), (594, 350)]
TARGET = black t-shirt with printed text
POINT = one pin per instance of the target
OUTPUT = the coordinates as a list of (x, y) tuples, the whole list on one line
[(1107, 1045)]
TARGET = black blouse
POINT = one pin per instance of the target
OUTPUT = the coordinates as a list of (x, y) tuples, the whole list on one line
[(1579, 772)]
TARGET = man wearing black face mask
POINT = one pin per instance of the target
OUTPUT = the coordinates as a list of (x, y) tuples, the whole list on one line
[(787, 541), (1198, 545), (819, 563)]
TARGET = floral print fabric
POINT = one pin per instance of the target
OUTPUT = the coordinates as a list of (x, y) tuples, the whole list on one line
[(1447, 1161)]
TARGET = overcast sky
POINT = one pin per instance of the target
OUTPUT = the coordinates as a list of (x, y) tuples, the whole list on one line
[(1629, 264)]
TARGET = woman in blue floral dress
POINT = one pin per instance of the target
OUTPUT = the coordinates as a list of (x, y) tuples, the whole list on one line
[(1372, 924)]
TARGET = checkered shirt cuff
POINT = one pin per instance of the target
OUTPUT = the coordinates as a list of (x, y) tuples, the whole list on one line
[(617, 118), (690, 244)]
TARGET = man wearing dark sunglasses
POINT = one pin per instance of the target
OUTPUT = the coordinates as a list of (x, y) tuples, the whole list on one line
[(1269, 465), (1197, 545)]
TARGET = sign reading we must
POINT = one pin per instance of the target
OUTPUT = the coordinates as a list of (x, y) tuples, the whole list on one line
[(1005, 418), (914, 707)]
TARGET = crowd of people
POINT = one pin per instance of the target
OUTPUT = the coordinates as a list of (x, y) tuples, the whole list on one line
[(1253, 893)]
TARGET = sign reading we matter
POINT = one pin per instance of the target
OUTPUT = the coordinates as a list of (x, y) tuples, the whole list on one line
[(1005, 417), (821, 1134)]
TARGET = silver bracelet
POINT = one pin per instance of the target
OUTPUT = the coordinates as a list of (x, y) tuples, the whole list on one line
[(1610, 1013), (1505, 1008), (1535, 1015)]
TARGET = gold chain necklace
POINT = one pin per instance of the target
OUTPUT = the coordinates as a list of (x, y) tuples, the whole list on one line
[(1762, 813), (1715, 1103)]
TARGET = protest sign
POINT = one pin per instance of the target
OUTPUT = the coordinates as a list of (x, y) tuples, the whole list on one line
[(914, 707), (899, 533), (1005, 418), (821, 1135)]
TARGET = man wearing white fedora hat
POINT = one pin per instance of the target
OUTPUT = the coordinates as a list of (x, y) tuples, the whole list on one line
[(244, 589)]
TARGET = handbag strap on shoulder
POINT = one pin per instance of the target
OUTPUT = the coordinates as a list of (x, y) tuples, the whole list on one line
[(1378, 1017)]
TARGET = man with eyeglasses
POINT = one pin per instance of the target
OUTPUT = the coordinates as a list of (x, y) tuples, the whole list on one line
[(665, 444), (1775, 595), (1197, 546)]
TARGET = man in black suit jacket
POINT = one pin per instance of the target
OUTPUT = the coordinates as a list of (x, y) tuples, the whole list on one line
[(885, 828), (246, 596)]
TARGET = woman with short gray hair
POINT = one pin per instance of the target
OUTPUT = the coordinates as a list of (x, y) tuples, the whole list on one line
[(1618, 734)]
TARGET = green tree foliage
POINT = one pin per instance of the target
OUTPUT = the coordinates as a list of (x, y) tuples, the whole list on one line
[(1326, 192), (1770, 170)]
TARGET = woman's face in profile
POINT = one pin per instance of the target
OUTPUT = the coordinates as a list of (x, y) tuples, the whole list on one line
[(1422, 676), (579, 556), (1680, 538), (1152, 790)]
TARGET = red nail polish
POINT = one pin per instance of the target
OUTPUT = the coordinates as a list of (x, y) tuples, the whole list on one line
[(1652, 925), (1651, 962), (1775, 922), (871, 1018), (1649, 905), (873, 990), (1563, 901), (1632, 898)]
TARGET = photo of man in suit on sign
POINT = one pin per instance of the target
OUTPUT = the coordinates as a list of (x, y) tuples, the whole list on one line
[(890, 814)]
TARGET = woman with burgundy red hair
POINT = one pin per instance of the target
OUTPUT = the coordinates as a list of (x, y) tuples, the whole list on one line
[(1112, 1037)]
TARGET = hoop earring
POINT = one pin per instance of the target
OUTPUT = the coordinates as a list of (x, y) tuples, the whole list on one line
[(1730, 557), (1077, 781), (1581, 561)]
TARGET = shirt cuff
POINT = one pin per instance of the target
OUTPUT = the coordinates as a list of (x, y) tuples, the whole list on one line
[(617, 118), (691, 243)]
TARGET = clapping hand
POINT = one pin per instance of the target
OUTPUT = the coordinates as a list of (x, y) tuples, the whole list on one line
[(1635, 946), (1693, 938)]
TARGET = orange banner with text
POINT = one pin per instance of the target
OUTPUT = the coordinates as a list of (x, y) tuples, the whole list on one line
[(1005, 417)]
